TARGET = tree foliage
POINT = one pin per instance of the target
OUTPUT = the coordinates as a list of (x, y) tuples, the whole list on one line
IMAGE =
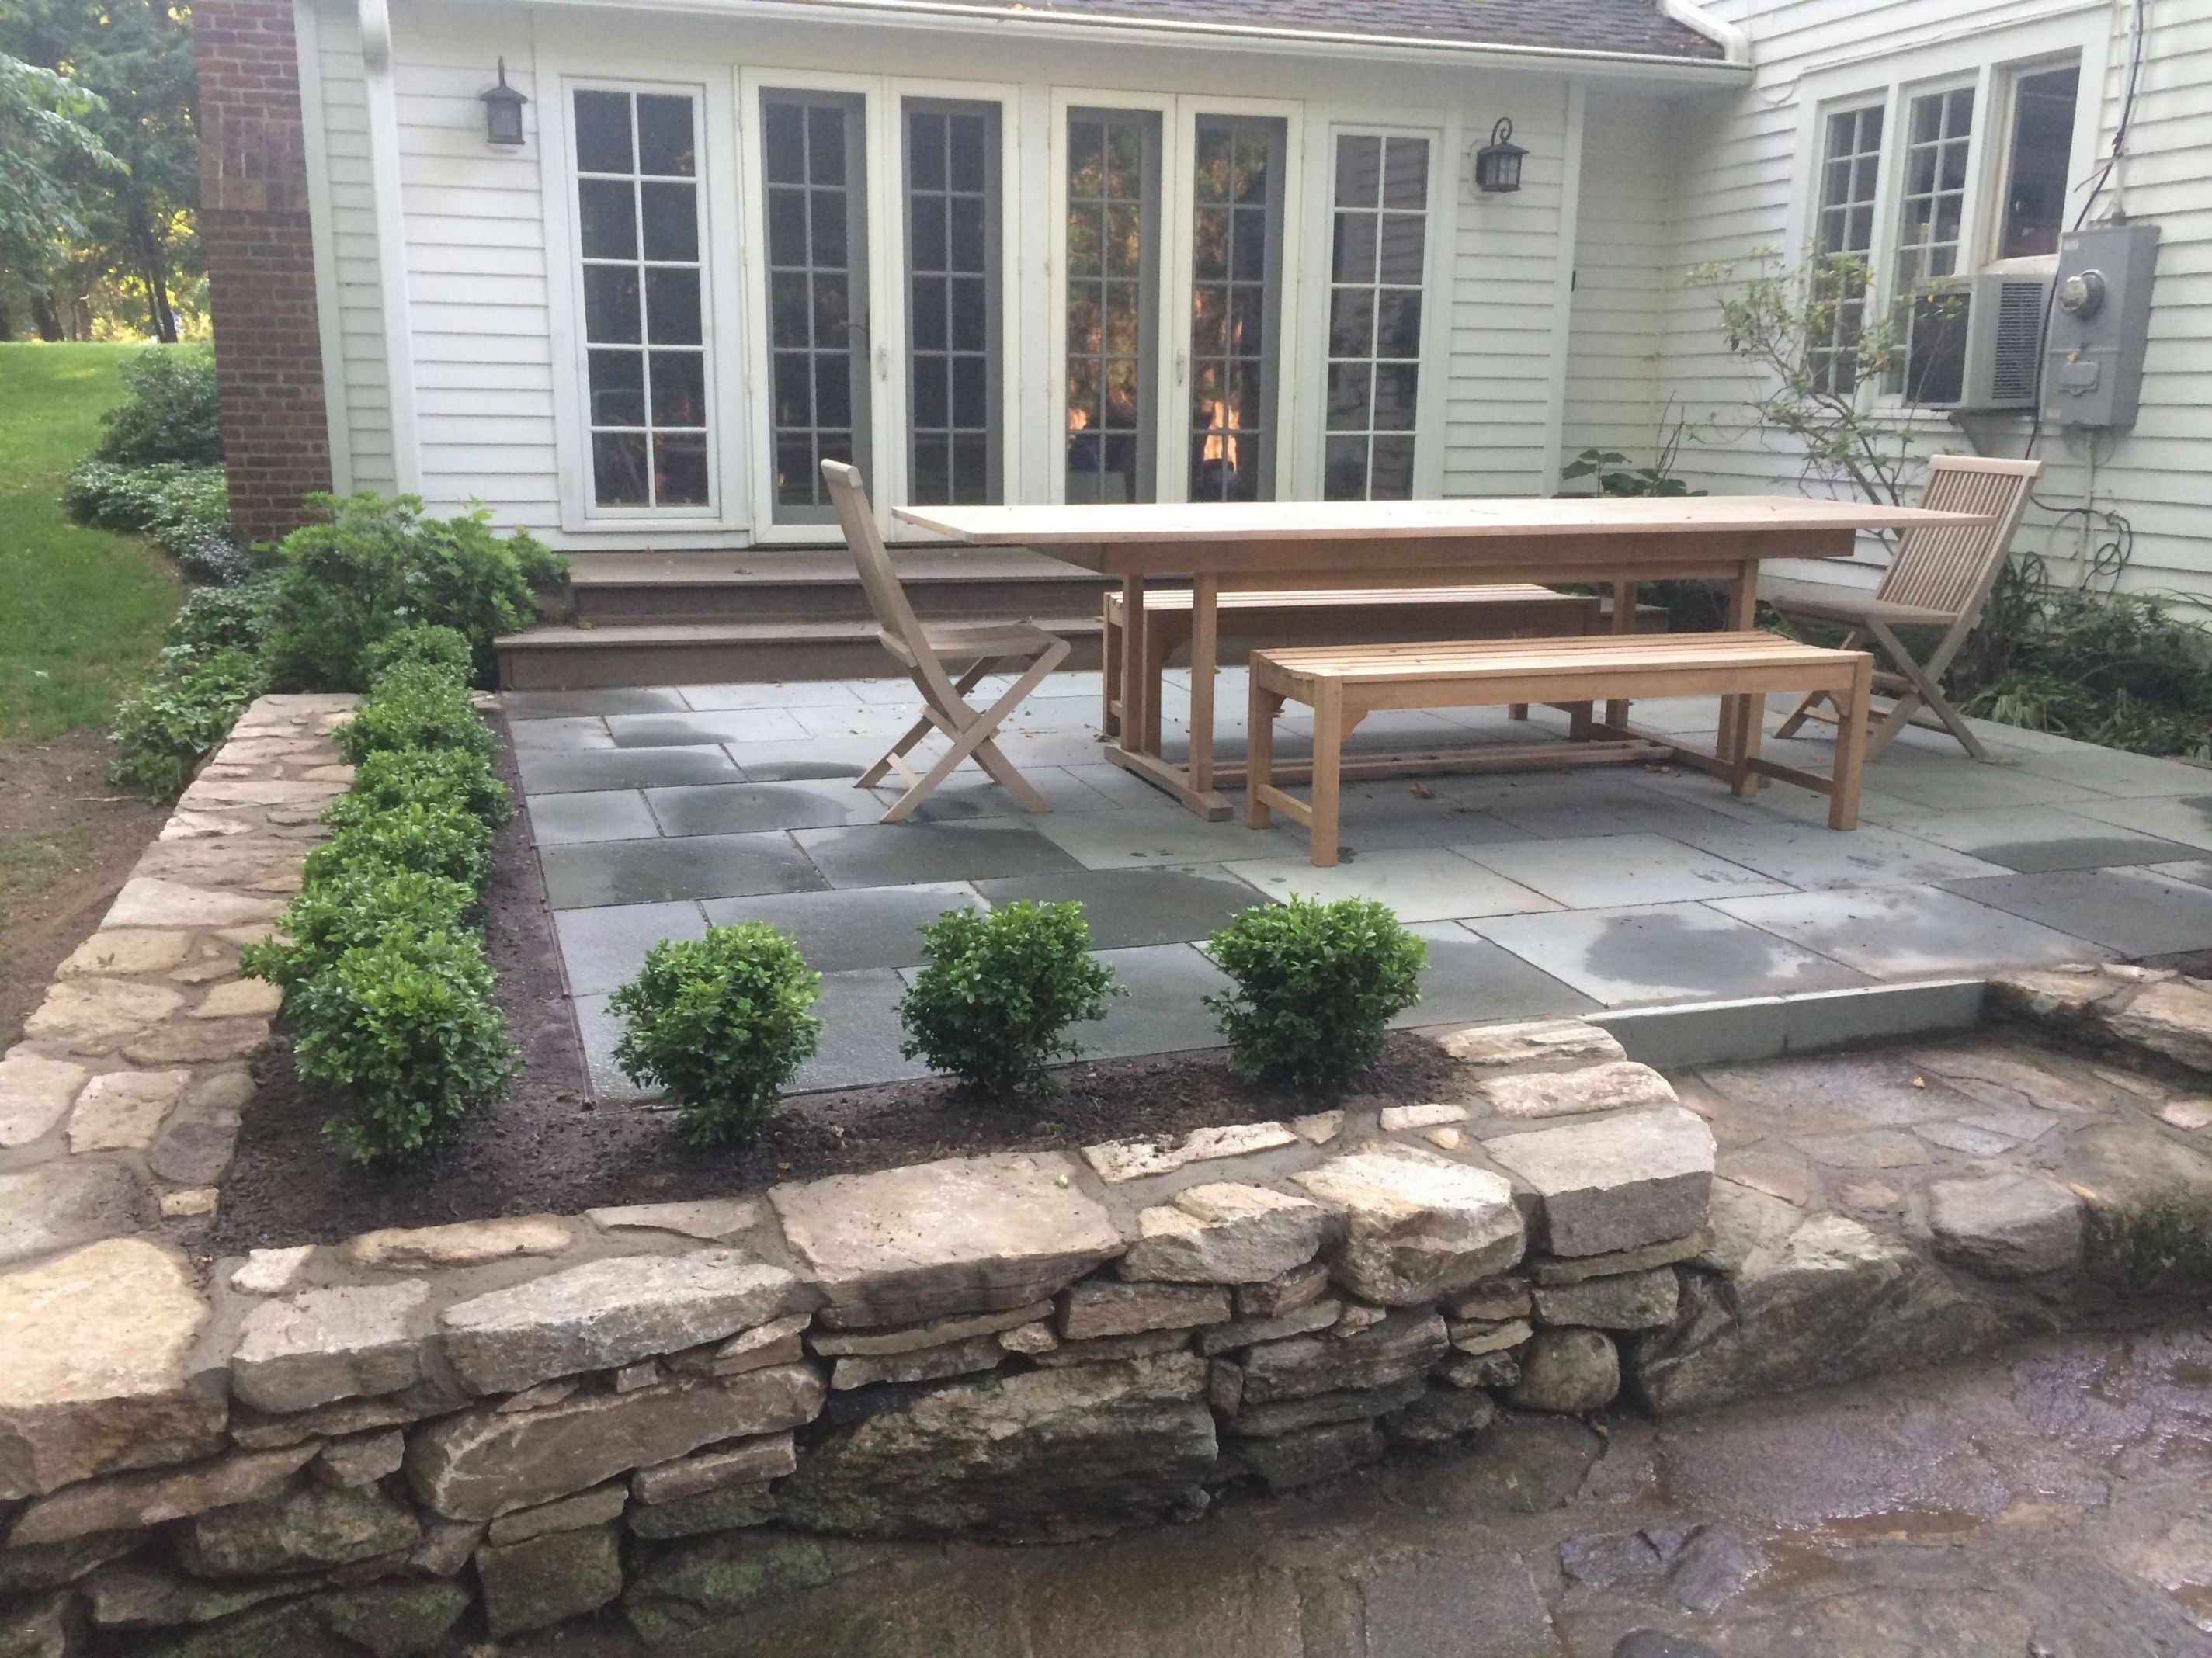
[(102, 213)]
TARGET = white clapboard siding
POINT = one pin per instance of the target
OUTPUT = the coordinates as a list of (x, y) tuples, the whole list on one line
[(1612, 391), (365, 408), (1734, 160)]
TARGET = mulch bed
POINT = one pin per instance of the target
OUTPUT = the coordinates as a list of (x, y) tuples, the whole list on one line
[(546, 1149)]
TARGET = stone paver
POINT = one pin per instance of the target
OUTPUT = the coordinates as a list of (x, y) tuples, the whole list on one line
[(1538, 893)]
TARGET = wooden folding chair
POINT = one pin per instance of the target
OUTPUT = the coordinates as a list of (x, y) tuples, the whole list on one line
[(932, 652), (1940, 579)]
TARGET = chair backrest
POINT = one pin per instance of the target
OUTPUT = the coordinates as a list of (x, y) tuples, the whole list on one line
[(886, 597), (1952, 567)]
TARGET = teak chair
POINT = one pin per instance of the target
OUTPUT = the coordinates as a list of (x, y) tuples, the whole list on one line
[(1940, 578), (932, 652)]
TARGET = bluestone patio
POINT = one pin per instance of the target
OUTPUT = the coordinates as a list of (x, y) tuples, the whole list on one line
[(658, 811)]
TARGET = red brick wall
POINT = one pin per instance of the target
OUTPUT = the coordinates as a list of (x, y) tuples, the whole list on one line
[(261, 262)]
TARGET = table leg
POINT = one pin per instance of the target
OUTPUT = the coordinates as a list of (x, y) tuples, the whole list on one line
[(1737, 711), (1624, 622), (1135, 644), (1205, 592)]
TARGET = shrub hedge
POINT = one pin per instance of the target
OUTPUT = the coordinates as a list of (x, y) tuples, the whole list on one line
[(385, 982)]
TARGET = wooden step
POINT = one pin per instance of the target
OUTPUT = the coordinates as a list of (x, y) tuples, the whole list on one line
[(572, 659), (772, 586)]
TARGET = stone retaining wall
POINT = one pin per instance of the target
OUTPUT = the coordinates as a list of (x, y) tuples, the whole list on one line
[(676, 1408)]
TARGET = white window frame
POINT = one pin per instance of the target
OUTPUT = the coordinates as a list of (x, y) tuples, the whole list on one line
[(896, 487), (1063, 101), (1432, 395), (886, 307), (1990, 60), (721, 311)]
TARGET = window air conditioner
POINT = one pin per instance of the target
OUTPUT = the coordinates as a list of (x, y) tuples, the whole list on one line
[(2005, 318)]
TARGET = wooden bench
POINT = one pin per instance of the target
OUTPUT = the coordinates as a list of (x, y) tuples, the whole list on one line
[(1343, 684), (1352, 616)]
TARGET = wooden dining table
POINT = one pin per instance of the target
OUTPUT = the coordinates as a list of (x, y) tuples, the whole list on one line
[(1221, 546)]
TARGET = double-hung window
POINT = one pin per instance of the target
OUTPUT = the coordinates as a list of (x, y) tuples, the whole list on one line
[(639, 221), (1379, 262), (1920, 187)]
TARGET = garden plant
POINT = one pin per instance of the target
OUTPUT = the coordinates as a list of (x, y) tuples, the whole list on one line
[(997, 993), (1314, 989)]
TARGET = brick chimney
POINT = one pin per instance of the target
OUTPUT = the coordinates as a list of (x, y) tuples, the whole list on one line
[(260, 257)]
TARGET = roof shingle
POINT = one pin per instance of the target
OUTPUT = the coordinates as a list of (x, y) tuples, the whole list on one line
[(1611, 26)]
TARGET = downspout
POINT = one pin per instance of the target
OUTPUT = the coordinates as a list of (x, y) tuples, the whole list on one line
[(1734, 43), (375, 17)]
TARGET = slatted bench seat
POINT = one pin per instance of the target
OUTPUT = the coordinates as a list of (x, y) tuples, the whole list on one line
[(1343, 684), (1349, 615)]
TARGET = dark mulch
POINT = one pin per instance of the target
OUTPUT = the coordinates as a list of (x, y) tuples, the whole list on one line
[(546, 1149)]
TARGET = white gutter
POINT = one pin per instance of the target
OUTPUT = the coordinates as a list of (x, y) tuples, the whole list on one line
[(997, 16), (1734, 43)]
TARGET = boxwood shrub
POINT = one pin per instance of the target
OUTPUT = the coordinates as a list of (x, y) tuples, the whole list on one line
[(390, 778), (417, 705), (353, 910), (724, 1023), (431, 837), (998, 992), (1314, 989), (406, 1031)]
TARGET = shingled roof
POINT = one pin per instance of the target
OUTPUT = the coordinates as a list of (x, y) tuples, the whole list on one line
[(1606, 26)]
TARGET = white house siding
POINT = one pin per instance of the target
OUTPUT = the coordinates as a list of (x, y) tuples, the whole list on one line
[(349, 229), (1613, 400), (486, 369), (1737, 157)]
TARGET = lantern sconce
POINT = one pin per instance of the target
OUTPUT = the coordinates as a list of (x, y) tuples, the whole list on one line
[(503, 111), (1497, 163)]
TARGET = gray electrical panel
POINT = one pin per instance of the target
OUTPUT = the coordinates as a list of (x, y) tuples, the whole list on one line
[(2099, 323)]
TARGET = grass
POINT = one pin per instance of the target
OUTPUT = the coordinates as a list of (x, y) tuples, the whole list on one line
[(83, 610)]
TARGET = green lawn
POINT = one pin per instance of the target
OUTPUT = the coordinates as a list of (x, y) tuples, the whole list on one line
[(81, 610)]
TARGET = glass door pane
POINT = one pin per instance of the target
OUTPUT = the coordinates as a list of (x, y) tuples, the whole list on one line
[(1113, 278), (1378, 268), (637, 218), (814, 184), (952, 254), (1237, 257)]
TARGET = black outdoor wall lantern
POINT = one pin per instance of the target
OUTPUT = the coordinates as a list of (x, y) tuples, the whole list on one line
[(1497, 163), (503, 111)]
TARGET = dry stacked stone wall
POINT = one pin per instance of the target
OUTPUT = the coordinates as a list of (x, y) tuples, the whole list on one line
[(665, 1412)]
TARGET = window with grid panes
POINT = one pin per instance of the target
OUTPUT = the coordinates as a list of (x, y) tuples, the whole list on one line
[(1113, 208), (1379, 260), (1932, 314), (1850, 163), (813, 181), (952, 303), (1236, 232), (638, 219)]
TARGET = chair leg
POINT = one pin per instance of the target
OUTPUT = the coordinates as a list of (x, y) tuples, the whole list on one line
[(1852, 640), (892, 757), (1259, 753), (1924, 692), (975, 739)]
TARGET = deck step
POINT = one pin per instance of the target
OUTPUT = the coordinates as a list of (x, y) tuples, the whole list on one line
[(577, 658), (769, 586)]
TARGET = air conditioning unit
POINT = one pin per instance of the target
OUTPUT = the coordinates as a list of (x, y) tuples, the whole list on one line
[(2005, 318)]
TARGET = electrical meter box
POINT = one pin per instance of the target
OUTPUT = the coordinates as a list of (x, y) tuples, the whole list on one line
[(2099, 323)]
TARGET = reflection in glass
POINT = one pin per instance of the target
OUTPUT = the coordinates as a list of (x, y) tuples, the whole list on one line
[(1113, 188), (952, 258), (1236, 254), (1377, 279), (637, 224), (816, 276)]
